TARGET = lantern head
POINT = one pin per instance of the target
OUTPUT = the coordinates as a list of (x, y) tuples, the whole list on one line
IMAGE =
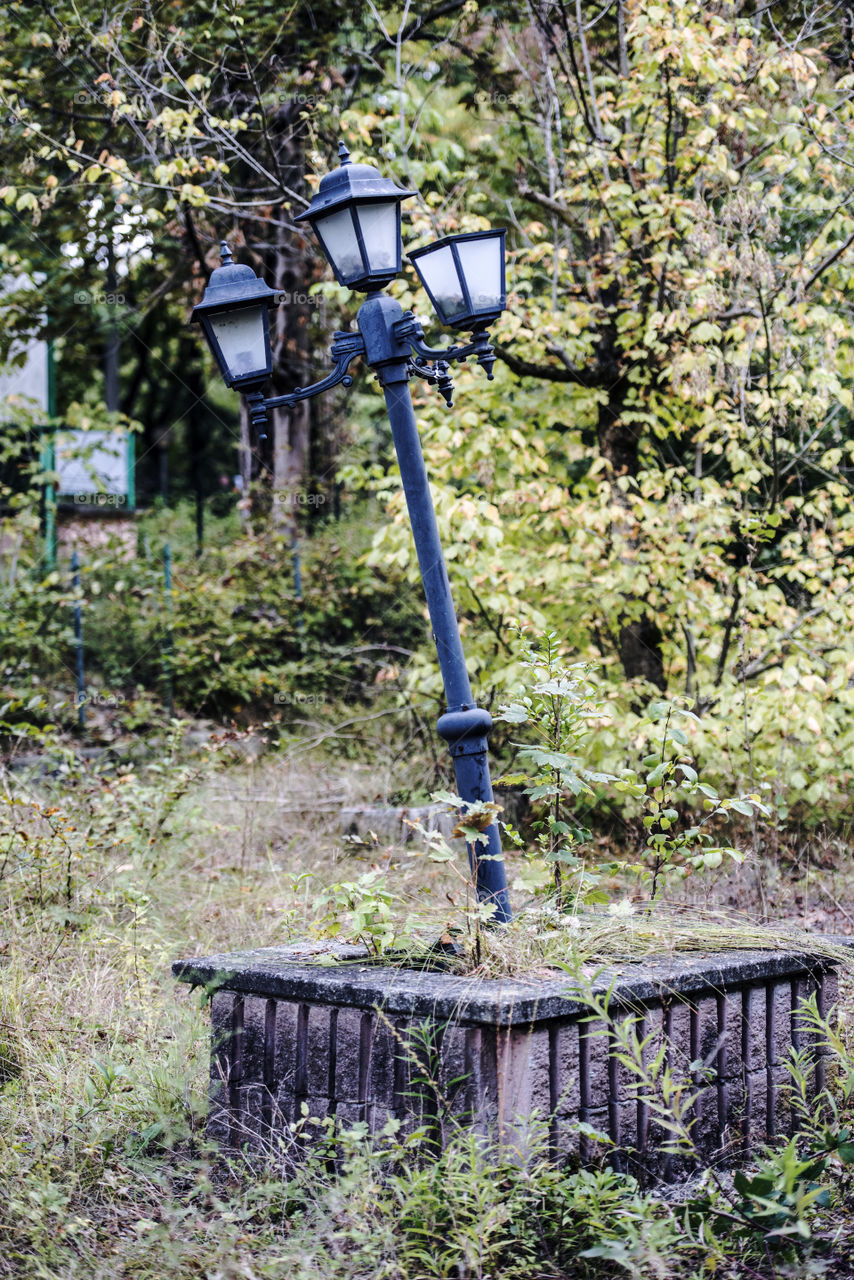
[(234, 314), (464, 278), (355, 214)]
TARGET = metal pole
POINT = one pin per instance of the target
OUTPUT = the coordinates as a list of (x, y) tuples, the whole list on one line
[(297, 569), (200, 518), (295, 559), (78, 640), (167, 643), (425, 531), (47, 498), (112, 350), (48, 463), (464, 725)]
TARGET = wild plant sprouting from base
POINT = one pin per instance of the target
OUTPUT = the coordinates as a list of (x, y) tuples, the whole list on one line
[(678, 841), (560, 710)]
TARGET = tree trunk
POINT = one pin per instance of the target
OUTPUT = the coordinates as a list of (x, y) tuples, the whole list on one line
[(640, 639), (640, 651), (290, 454)]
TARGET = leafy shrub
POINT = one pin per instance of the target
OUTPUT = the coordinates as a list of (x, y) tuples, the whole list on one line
[(231, 637), (562, 714)]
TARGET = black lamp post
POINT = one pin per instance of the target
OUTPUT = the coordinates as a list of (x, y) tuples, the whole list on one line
[(356, 216)]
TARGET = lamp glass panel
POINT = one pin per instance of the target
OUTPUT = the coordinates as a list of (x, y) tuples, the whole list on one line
[(439, 273), (481, 265), (242, 339), (341, 244), (380, 235)]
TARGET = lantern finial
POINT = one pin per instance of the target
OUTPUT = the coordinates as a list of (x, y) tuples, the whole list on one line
[(225, 254), (343, 153)]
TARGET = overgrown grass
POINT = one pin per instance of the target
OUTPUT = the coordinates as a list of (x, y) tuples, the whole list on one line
[(538, 941), (104, 1167)]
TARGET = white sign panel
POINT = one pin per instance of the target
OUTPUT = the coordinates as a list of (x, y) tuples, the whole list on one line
[(29, 380), (90, 462), (25, 373)]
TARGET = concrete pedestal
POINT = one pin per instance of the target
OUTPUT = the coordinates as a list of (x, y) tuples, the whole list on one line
[(519, 1061)]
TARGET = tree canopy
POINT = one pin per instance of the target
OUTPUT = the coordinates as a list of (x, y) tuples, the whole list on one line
[(662, 470)]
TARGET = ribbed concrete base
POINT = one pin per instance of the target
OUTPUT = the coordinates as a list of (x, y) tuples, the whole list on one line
[(518, 1061)]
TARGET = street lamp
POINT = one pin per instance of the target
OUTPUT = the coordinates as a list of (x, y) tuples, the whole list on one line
[(234, 314), (464, 278), (356, 215)]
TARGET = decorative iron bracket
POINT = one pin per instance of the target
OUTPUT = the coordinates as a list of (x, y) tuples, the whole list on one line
[(344, 350), (436, 374), (430, 363), (411, 330)]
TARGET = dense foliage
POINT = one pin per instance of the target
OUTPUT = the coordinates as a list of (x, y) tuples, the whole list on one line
[(661, 471), (230, 637)]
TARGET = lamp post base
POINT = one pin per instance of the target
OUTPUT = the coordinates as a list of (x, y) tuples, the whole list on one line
[(465, 730)]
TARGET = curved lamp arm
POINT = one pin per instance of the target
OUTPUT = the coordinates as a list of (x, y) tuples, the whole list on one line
[(344, 350), (411, 330)]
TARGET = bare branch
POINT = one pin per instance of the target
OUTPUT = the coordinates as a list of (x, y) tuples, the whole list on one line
[(552, 373), (829, 261)]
